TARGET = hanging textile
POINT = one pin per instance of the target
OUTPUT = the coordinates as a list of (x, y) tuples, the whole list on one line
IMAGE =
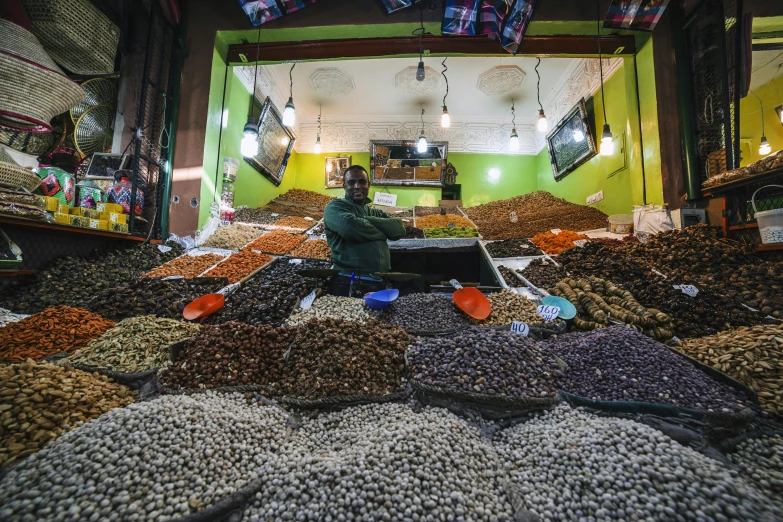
[(395, 5), (640, 15), (515, 24), (460, 17), (294, 5), (261, 11), (491, 17)]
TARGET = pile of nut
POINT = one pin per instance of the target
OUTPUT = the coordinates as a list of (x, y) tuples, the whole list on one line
[(443, 221), (230, 354), (453, 232), (136, 344), (283, 209), (40, 401), (621, 364), (543, 273), (332, 357), (239, 265), (313, 249), (254, 216), (334, 307), (507, 307), (751, 355), (294, 222), (304, 198), (187, 266), (490, 362), (232, 237), (424, 313), (513, 248), (414, 233), (276, 242), (265, 299)]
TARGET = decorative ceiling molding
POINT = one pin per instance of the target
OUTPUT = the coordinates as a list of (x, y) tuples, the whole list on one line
[(406, 81), (501, 80), (265, 86), (331, 81)]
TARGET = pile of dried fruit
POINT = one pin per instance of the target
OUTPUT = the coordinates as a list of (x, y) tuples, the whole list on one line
[(313, 249), (55, 330), (283, 209), (239, 265), (294, 222), (40, 401), (443, 221), (543, 273), (425, 313), (414, 233), (289, 266), (230, 354), (334, 307), (276, 242), (254, 216), (187, 266), (304, 198), (456, 232), (430, 211), (507, 307), (513, 248), (552, 243), (751, 355), (492, 362), (265, 299), (134, 345), (621, 364), (232, 237), (332, 357)]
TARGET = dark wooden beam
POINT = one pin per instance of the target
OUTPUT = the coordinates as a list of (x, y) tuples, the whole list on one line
[(370, 47)]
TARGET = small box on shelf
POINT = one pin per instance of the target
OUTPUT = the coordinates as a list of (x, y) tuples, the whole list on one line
[(118, 218), (109, 207)]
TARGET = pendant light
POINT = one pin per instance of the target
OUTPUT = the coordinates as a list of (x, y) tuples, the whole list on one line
[(420, 31), (541, 124), (248, 147), (779, 111), (764, 146), (607, 145), (317, 147), (513, 140), (421, 145), (289, 113), (445, 119)]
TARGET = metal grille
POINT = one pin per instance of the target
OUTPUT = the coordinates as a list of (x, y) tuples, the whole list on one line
[(713, 42)]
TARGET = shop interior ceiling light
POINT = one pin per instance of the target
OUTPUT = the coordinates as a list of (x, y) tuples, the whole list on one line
[(541, 124), (607, 145), (513, 140), (445, 119), (764, 146), (317, 147), (420, 32), (289, 113), (421, 146), (249, 144)]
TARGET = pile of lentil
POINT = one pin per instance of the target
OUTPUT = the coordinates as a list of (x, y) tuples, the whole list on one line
[(276, 242), (425, 313), (333, 357), (313, 249), (414, 233), (513, 248), (186, 266), (40, 401), (491, 362), (621, 364), (751, 355), (232, 237), (265, 299), (239, 265), (760, 460), (444, 232), (334, 307), (134, 345), (55, 330), (230, 354)]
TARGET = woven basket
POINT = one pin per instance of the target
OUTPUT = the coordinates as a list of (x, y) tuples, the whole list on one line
[(14, 176), (76, 34), (35, 143)]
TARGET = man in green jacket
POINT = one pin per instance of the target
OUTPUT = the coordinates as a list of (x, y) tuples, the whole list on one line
[(356, 233)]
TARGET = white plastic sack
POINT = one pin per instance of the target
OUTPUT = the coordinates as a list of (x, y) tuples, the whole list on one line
[(210, 227), (651, 219), (186, 242)]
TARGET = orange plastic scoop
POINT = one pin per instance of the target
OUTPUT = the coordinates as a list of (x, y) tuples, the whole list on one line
[(471, 301), (204, 306)]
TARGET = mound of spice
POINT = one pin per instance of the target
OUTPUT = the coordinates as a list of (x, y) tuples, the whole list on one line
[(442, 221), (313, 249), (40, 401), (186, 266), (552, 243), (304, 198), (55, 330), (276, 242), (239, 265)]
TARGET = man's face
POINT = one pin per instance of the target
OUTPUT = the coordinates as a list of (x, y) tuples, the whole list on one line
[(356, 186)]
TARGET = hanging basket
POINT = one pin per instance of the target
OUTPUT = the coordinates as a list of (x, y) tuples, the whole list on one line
[(14, 176)]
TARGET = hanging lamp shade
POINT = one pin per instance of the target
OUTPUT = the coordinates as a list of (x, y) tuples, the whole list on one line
[(33, 90)]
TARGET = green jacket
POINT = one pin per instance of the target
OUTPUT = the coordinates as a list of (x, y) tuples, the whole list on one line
[(357, 235)]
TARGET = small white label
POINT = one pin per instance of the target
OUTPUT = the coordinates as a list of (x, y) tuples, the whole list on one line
[(406, 220), (385, 199), (548, 312), (688, 290), (580, 243), (323, 236), (275, 215), (308, 218), (555, 231), (295, 262), (520, 328), (171, 278), (307, 301), (399, 211), (164, 248)]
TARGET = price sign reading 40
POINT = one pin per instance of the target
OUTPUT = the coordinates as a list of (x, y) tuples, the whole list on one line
[(548, 312), (520, 328)]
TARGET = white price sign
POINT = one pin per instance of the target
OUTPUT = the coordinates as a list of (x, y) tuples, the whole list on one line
[(548, 312), (274, 214), (164, 248), (580, 243), (385, 199), (688, 290), (555, 231), (307, 301), (295, 262), (520, 328), (323, 236)]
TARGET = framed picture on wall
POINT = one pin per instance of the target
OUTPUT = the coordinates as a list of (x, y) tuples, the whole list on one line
[(275, 143), (571, 143), (335, 168)]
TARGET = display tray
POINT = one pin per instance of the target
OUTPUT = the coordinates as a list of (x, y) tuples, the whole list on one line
[(69, 228), (11, 264), (443, 243)]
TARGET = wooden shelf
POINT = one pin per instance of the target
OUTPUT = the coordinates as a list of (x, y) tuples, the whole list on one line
[(744, 227), (15, 273), (69, 229), (770, 247), (723, 187)]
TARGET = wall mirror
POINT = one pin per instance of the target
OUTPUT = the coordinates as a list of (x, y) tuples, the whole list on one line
[(275, 143), (398, 162), (570, 143), (335, 168)]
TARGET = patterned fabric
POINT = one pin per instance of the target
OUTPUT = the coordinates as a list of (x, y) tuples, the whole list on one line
[(460, 17), (294, 5), (261, 11), (516, 23), (395, 5), (491, 17), (641, 15)]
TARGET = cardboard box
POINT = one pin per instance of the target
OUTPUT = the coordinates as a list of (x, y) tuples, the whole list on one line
[(109, 207), (79, 221), (118, 227), (99, 224), (63, 209), (59, 217), (118, 218), (89, 213), (450, 203), (52, 204)]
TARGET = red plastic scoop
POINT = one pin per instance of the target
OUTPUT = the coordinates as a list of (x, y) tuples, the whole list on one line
[(471, 301), (204, 306)]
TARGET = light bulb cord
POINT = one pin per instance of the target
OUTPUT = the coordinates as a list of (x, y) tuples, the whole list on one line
[(422, 121), (513, 116), (761, 104), (600, 61), (443, 72), (291, 81), (319, 121), (538, 86), (255, 77)]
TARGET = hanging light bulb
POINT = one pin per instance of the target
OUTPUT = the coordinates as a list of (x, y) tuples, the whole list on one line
[(420, 71), (445, 119), (764, 146), (541, 124), (779, 110), (513, 141), (317, 146), (421, 145), (289, 113), (249, 145), (578, 135), (607, 143)]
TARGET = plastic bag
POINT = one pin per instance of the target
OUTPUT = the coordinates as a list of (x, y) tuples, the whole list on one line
[(460, 17), (210, 227), (294, 5), (651, 219), (185, 242)]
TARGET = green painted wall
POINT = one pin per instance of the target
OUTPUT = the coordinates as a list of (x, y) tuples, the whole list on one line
[(212, 137), (771, 95), (515, 175), (650, 133)]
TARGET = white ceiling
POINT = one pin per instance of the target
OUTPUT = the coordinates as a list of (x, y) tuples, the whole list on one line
[(765, 67)]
